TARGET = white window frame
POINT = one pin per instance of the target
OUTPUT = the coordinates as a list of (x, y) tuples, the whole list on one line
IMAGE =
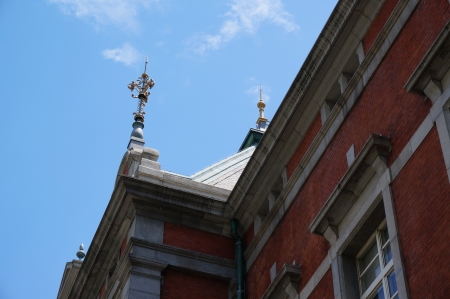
[(386, 270)]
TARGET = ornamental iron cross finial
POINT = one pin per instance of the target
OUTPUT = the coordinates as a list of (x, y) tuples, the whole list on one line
[(141, 85)]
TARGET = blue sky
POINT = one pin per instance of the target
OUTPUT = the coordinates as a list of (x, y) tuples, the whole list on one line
[(67, 113)]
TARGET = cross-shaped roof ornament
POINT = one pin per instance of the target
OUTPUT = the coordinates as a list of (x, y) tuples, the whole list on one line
[(141, 85)]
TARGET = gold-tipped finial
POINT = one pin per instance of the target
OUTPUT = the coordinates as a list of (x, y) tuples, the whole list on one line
[(261, 105), (141, 85), (261, 122)]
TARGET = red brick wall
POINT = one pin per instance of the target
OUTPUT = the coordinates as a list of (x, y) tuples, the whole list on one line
[(199, 241), (378, 23), (179, 285), (291, 240), (304, 145), (421, 195), (383, 108), (324, 289)]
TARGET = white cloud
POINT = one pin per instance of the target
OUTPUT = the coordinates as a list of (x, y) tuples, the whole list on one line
[(246, 16), (254, 90), (106, 12), (126, 54)]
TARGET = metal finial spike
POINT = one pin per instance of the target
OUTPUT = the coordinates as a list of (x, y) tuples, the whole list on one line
[(80, 253), (261, 105), (261, 122), (260, 92), (146, 61)]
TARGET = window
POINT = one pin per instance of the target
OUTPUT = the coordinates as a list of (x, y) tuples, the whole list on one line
[(376, 267)]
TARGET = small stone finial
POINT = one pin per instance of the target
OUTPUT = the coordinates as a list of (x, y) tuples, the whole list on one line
[(261, 122), (80, 252)]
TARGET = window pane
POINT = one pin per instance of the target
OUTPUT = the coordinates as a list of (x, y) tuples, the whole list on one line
[(392, 284), (368, 257), (384, 236), (372, 272), (387, 254), (379, 294)]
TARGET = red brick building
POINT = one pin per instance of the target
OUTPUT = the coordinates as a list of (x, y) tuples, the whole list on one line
[(345, 196)]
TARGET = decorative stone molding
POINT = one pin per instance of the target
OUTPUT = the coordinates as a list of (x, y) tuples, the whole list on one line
[(431, 79), (146, 267), (285, 283), (70, 274), (426, 78), (370, 160), (182, 259)]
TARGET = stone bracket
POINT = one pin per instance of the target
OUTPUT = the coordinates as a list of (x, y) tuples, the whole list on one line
[(426, 78), (285, 283)]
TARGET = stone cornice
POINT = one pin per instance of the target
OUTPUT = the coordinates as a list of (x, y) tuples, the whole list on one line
[(120, 273), (69, 276), (130, 196), (282, 137), (172, 181), (183, 253), (103, 245), (176, 198), (182, 259)]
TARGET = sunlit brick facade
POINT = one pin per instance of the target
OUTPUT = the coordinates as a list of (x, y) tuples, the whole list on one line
[(345, 196)]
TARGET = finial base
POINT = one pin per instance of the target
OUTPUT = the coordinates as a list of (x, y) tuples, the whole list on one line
[(135, 142), (261, 123), (139, 117), (138, 131)]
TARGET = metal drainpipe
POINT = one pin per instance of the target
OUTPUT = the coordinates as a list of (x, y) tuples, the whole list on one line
[(240, 262)]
